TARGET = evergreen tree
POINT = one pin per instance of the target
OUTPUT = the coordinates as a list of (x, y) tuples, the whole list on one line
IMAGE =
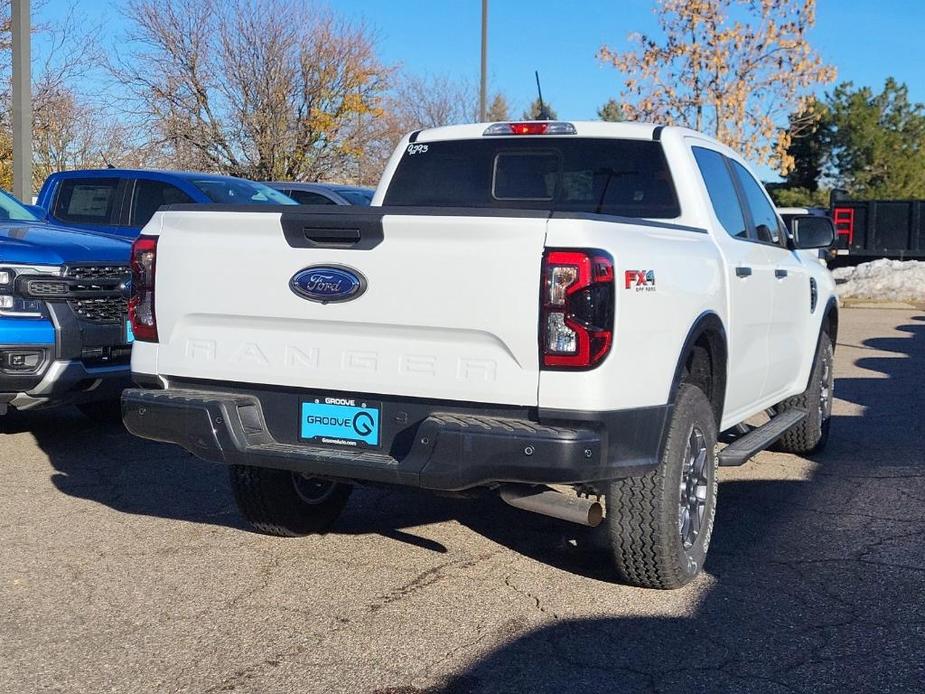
[(498, 110), (535, 113), (878, 141), (611, 112), (810, 134)]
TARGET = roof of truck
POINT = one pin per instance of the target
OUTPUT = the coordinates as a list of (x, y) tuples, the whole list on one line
[(595, 128), (126, 173)]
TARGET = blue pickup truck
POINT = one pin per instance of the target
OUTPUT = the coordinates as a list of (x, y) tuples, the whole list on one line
[(121, 201), (64, 337)]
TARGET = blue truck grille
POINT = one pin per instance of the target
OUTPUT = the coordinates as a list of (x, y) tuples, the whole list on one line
[(97, 272), (39, 288), (93, 292), (109, 310)]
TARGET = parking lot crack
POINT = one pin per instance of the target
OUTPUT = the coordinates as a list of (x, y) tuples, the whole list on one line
[(424, 580), (535, 599)]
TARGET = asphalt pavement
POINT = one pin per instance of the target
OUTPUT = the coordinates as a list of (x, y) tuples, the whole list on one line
[(124, 567)]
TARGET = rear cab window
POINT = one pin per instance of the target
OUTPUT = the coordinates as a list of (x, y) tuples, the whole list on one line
[(150, 195), (87, 200), (238, 191), (621, 177), (357, 197), (306, 197)]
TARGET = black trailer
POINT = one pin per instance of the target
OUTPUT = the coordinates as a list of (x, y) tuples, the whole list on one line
[(867, 229)]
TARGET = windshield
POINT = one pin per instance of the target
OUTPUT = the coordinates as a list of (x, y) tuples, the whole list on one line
[(628, 178), (357, 196), (13, 210), (237, 191)]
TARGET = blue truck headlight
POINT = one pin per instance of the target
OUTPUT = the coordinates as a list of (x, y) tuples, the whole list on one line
[(11, 301), (13, 304)]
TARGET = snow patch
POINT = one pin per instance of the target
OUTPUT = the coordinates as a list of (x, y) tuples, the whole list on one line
[(883, 280)]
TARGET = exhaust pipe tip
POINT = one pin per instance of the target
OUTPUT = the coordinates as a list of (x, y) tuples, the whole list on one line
[(549, 502), (595, 514)]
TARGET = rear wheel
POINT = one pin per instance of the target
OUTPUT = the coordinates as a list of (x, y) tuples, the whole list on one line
[(287, 504), (660, 524), (812, 434)]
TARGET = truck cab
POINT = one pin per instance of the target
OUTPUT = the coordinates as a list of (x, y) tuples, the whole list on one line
[(64, 334), (121, 201)]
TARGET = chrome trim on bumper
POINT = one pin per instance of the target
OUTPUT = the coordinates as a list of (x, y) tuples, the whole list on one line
[(61, 377)]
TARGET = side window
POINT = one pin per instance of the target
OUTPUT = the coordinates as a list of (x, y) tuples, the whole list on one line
[(722, 191), (304, 197), (150, 195), (767, 226), (86, 200)]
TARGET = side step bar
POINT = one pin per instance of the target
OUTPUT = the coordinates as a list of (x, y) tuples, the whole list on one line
[(739, 451)]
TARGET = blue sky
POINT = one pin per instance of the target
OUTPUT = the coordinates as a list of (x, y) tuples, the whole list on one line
[(866, 40)]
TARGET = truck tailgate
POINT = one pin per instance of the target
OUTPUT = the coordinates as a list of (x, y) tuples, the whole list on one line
[(449, 311)]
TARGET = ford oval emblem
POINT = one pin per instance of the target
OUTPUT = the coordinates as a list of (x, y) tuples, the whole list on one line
[(328, 283)]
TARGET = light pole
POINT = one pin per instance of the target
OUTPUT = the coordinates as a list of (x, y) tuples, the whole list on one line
[(22, 100), (483, 87)]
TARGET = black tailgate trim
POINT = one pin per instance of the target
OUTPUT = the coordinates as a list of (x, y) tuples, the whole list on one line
[(350, 229)]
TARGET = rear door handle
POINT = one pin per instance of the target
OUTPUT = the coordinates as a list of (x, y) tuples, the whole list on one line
[(780, 274), (743, 272)]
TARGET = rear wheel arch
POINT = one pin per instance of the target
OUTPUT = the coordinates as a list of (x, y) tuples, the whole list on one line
[(702, 361), (829, 326), (830, 321)]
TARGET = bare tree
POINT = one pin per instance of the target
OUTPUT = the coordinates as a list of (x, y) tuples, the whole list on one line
[(70, 129), (71, 133), (431, 101), (412, 103), (252, 88)]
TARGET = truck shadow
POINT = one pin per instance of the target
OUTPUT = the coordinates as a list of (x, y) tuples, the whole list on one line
[(105, 464), (844, 524), (814, 584), (814, 581)]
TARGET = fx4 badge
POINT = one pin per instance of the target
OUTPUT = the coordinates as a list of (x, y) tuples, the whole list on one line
[(640, 280)]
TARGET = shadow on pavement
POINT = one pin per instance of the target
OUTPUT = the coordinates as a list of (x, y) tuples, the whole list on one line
[(817, 583), (105, 464)]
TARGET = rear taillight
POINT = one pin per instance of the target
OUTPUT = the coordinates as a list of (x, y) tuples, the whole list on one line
[(577, 308), (141, 304)]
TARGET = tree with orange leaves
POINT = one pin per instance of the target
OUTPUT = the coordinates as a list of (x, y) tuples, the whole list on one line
[(732, 68)]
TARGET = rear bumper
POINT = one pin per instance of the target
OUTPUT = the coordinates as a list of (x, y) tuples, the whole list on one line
[(441, 446), (72, 381)]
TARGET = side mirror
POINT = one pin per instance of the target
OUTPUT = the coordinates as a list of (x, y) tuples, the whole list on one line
[(811, 231)]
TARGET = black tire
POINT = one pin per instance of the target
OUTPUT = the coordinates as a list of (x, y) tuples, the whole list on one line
[(102, 412), (812, 434), (284, 503), (651, 546)]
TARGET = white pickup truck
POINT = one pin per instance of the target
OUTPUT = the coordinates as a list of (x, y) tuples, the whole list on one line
[(573, 315)]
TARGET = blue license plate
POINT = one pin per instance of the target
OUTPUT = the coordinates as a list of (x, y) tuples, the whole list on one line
[(129, 335), (341, 421)]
